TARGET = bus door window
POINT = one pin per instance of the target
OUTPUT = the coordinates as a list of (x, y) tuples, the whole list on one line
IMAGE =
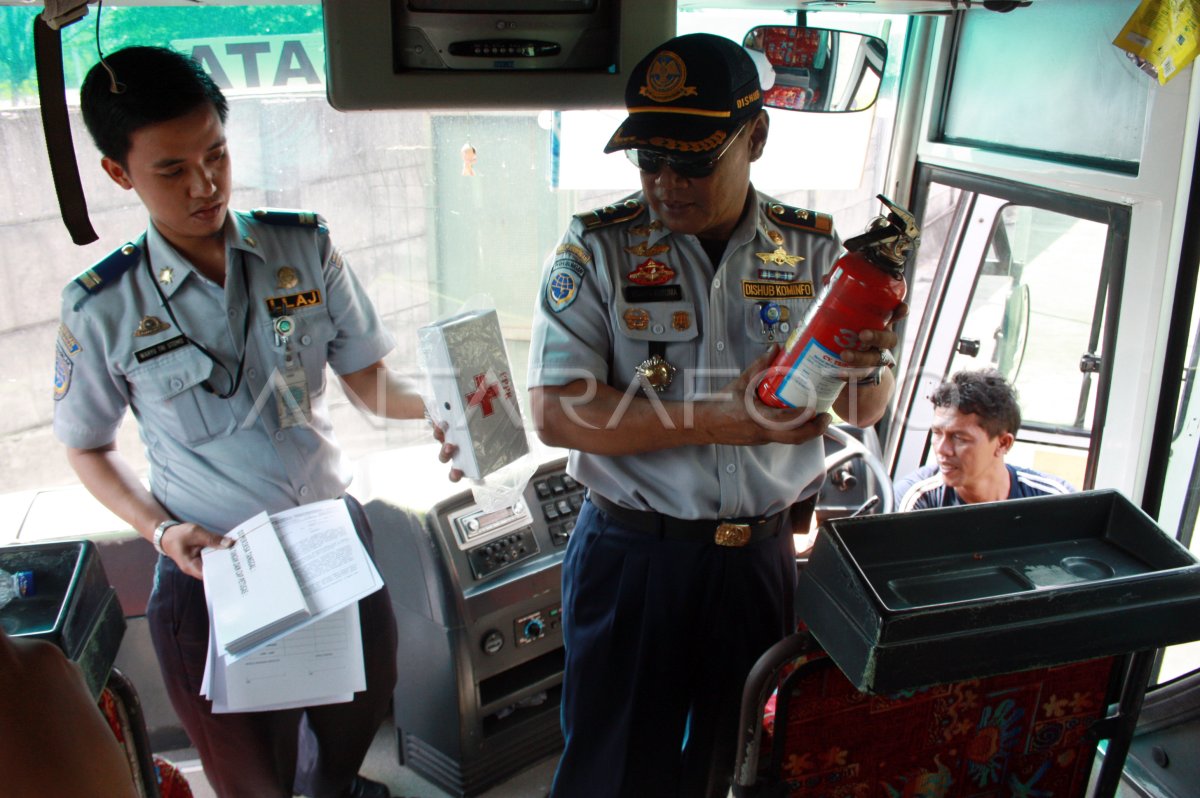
[(1017, 280)]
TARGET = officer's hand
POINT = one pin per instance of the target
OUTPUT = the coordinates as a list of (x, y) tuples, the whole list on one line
[(446, 454), (741, 419), (184, 542), (877, 342)]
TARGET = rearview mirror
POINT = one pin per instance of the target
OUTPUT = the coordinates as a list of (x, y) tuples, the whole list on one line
[(816, 69)]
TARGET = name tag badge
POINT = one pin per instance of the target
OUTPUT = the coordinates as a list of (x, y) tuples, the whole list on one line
[(292, 399), (283, 305)]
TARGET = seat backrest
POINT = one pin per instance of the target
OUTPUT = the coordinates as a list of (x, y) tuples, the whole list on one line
[(1017, 734)]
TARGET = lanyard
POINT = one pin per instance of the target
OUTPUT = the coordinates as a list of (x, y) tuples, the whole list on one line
[(234, 380)]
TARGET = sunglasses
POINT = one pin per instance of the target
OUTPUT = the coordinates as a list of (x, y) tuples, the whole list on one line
[(652, 162)]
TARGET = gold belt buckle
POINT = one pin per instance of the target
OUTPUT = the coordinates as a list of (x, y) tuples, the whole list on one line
[(729, 534)]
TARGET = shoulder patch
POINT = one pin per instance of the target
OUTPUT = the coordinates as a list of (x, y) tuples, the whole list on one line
[(102, 274), (288, 217), (611, 214), (791, 216)]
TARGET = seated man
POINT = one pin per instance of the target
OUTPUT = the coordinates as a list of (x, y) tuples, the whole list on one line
[(975, 420)]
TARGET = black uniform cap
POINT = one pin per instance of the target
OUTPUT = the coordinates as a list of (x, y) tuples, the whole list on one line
[(688, 95)]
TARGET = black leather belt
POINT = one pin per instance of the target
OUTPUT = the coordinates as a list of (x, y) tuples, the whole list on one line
[(721, 531)]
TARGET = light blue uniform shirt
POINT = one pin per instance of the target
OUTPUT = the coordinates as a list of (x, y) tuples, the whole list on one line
[(217, 462), (602, 305)]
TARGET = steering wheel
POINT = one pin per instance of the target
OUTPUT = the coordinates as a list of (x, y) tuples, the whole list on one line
[(852, 447)]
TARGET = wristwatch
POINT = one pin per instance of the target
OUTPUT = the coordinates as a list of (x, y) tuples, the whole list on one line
[(886, 361), (159, 531)]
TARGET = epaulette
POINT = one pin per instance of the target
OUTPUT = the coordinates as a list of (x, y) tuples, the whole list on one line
[(286, 217), (103, 273), (812, 221), (611, 214)]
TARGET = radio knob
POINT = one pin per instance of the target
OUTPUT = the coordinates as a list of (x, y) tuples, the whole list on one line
[(493, 641), (534, 629)]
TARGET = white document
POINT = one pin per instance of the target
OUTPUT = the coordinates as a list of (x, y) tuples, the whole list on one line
[(330, 562), (323, 559), (250, 587), (319, 664)]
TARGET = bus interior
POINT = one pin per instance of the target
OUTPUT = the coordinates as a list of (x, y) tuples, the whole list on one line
[(1034, 149)]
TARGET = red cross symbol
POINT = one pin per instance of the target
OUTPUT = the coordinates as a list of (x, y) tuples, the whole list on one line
[(482, 396)]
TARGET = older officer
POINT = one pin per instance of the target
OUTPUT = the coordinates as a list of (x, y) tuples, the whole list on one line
[(657, 317), (216, 327)]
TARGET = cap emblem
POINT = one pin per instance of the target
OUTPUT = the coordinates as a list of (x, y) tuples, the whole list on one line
[(666, 79)]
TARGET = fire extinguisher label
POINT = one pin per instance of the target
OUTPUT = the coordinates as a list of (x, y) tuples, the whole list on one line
[(812, 380)]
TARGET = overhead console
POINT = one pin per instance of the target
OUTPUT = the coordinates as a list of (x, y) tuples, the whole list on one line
[(530, 54)]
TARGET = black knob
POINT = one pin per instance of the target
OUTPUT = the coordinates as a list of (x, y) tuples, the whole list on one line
[(493, 641)]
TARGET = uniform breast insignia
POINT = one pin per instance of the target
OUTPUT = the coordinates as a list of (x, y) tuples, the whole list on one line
[(611, 214), (776, 275), (681, 320), (636, 319), (282, 305), (150, 325), (644, 230), (779, 257), (286, 277), (102, 274), (656, 372), (791, 216), (644, 250), (651, 272)]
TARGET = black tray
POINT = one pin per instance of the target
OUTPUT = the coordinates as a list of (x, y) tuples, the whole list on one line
[(73, 606), (907, 600)]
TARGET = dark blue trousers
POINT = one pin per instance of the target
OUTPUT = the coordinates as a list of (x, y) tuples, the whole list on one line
[(660, 635), (315, 751)]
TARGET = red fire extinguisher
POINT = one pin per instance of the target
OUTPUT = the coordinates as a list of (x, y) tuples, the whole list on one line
[(865, 287)]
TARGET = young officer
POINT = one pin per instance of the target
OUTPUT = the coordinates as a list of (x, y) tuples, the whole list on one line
[(975, 420), (216, 327), (650, 336)]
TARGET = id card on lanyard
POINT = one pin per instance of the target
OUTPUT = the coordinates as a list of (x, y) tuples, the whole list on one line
[(292, 402)]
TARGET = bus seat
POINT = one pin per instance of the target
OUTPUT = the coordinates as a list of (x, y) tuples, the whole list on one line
[(153, 776), (1026, 733)]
